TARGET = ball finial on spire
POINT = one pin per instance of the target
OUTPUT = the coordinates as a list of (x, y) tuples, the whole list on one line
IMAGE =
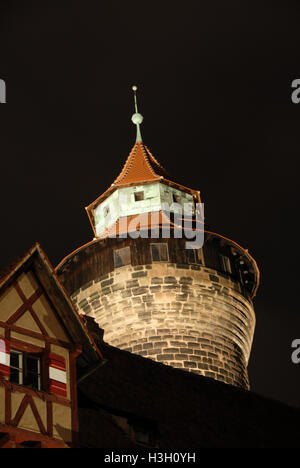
[(137, 118)]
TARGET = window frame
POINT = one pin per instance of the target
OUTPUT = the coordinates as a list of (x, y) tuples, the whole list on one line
[(23, 371), (159, 244), (225, 263), (115, 253), (20, 369), (138, 194), (197, 257), (106, 211), (176, 198)]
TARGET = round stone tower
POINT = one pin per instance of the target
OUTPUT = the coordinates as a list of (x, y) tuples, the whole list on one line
[(153, 291)]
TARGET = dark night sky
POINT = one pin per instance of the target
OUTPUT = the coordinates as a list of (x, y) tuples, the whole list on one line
[(215, 90)]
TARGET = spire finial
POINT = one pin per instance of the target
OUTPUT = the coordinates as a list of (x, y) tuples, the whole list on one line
[(137, 118)]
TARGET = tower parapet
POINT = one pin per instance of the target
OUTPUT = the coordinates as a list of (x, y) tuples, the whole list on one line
[(189, 309)]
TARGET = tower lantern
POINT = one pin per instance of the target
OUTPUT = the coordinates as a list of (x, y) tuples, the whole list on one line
[(190, 308)]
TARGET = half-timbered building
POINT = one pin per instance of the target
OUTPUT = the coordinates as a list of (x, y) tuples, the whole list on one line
[(41, 338)]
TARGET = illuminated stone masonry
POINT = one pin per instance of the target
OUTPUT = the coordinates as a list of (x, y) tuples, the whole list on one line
[(153, 295), (187, 316)]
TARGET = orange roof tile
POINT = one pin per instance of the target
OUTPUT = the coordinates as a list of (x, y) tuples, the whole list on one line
[(140, 165)]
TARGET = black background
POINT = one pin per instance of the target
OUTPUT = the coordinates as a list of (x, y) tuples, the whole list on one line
[(214, 84)]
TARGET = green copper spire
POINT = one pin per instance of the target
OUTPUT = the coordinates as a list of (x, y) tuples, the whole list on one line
[(137, 118)]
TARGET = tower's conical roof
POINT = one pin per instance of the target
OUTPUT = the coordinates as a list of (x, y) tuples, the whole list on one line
[(140, 166)]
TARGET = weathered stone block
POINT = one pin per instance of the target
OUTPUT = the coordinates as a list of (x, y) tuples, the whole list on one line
[(106, 283), (190, 364), (147, 345), (148, 298), (157, 280), (139, 290), (186, 280), (139, 274), (178, 310), (214, 278), (164, 357), (185, 350), (132, 283), (154, 289), (117, 287), (170, 350)]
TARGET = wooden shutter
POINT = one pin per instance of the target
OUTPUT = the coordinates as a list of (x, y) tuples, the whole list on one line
[(58, 375), (4, 359)]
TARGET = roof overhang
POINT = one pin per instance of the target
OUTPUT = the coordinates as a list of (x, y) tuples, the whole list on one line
[(74, 324), (90, 209)]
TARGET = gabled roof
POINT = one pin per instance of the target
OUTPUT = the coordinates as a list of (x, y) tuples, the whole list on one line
[(37, 260)]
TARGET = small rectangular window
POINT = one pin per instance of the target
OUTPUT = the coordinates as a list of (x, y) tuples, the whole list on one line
[(176, 198), (139, 196), (106, 211), (193, 256), (16, 367), (122, 257), (159, 252), (33, 371), (225, 264), (25, 369)]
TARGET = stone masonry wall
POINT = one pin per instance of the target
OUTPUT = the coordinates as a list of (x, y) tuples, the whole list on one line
[(190, 317)]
